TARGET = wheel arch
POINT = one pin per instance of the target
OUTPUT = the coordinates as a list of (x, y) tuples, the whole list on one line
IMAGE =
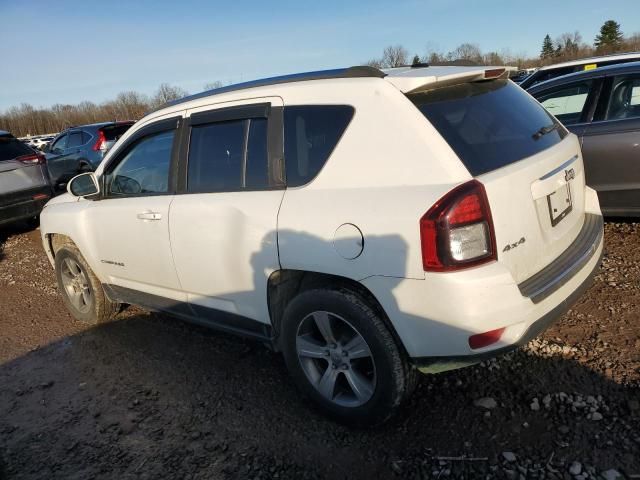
[(284, 285)]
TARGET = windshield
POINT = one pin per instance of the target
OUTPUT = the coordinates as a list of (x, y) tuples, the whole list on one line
[(489, 124)]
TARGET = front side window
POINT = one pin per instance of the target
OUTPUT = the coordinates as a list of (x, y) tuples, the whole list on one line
[(624, 101), (228, 156), (311, 132), (144, 168), (566, 102), (59, 145)]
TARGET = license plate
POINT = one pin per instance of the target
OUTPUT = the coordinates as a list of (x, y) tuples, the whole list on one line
[(559, 204)]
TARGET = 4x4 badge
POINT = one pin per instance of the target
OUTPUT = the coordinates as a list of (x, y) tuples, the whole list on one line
[(511, 246)]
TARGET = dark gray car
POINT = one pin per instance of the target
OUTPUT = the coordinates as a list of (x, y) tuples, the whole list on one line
[(81, 149), (602, 107), (24, 180)]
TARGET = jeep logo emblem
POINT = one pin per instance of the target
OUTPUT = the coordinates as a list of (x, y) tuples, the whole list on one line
[(569, 174)]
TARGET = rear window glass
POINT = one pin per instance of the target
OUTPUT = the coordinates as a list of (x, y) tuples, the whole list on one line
[(115, 132), (488, 124), (311, 132), (11, 148)]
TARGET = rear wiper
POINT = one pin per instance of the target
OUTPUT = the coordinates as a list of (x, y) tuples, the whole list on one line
[(544, 130)]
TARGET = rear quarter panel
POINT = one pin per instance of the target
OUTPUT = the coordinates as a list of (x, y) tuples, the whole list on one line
[(388, 168)]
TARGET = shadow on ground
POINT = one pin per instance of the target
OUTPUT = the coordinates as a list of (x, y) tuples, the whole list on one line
[(149, 396)]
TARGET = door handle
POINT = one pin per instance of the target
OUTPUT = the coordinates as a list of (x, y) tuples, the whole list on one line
[(149, 216)]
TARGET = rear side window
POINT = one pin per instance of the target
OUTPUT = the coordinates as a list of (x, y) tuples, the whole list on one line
[(624, 101), (228, 156), (566, 102), (488, 124), (311, 132), (11, 148)]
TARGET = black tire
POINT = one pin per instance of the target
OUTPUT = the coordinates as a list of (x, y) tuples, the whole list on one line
[(95, 306), (395, 378), (84, 167)]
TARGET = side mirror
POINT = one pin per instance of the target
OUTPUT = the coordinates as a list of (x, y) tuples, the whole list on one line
[(83, 185)]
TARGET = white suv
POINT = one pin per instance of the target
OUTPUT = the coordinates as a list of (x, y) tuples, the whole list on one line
[(367, 224)]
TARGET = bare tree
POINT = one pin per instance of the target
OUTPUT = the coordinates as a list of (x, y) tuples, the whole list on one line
[(375, 63), (167, 93), (213, 85), (466, 51), (394, 56)]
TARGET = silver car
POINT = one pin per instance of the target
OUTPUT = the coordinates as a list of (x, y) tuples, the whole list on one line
[(24, 180)]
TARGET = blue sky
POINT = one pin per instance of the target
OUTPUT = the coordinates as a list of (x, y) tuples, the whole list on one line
[(70, 51)]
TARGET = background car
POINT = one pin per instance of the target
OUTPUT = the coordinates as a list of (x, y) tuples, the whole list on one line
[(602, 107), (553, 71), (24, 180), (81, 148)]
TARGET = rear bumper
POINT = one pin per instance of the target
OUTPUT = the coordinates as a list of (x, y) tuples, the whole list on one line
[(435, 317), (441, 364), (21, 205)]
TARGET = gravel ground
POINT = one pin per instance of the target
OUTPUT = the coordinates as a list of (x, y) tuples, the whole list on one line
[(148, 396)]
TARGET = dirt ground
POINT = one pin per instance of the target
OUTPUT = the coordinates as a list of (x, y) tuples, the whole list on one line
[(148, 396)]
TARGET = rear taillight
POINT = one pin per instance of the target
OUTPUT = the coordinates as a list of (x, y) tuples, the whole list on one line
[(100, 142), (32, 159), (457, 232)]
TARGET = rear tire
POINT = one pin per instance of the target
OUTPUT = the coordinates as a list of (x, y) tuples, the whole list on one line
[(81, 290), (342, 356)]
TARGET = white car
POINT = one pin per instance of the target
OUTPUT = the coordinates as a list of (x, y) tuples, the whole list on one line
[(366, 224)]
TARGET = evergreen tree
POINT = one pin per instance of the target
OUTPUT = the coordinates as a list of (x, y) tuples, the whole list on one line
[(547, 48), (416, 60), (610, 37)]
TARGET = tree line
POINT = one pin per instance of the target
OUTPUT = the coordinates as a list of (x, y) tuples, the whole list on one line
[(567, 46), (27, 120)]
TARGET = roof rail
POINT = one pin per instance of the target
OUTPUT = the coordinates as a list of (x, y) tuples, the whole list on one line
[(351, 72)]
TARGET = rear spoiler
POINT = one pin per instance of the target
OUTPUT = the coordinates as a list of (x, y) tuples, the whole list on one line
[(411, 81)]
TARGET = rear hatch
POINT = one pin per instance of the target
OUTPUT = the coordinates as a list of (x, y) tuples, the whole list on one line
[(530, 166), (20, 167)]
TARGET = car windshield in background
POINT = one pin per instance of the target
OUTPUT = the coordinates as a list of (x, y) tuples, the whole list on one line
[(11, 148), (489, 124)]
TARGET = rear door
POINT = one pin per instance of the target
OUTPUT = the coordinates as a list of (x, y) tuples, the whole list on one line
[(74, 151), (611, 146), (530, 166), (223, 223), (57, 160)]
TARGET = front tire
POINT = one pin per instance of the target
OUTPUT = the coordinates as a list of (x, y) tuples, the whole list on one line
[(342, 355), (81, 290)]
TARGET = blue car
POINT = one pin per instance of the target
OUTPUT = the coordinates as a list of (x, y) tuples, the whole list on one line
[(81, 149)]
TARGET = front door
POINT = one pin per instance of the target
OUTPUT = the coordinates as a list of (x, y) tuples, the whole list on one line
[(224, 223), (130, 223), (58, 161), (611, 147)]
